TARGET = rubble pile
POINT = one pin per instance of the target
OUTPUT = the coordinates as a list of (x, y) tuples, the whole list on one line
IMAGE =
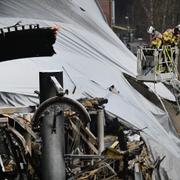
[(124, 155)]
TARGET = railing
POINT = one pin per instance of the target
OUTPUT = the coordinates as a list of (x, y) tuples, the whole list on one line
[(154, 62)]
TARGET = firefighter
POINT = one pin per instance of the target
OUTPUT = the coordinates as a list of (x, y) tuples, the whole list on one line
[(156, 37), (177, 34), (171, 36)]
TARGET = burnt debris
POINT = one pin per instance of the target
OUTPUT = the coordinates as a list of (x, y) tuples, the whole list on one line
[(121, 154)]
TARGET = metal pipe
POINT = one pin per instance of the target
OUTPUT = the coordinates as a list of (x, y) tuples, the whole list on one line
[(137, 172), (113, 12), (52, 131), (57, 85), (100, 129), (52, 163)]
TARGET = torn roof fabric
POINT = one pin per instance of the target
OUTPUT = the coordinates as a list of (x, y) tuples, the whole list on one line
[(92, 58)]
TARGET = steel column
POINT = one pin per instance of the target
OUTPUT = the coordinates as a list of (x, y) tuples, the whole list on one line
[(52, 131), (52, 163), (100, 129)]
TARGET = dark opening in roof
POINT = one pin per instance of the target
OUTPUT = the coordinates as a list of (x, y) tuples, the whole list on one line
[(26, 41)]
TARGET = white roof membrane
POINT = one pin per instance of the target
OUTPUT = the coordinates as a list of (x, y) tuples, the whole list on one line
[(92, 55)]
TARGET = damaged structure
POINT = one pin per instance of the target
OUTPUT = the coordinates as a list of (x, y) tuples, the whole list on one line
[(91, 123)]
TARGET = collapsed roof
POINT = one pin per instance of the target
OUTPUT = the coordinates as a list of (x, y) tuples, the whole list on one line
[(92, 59)]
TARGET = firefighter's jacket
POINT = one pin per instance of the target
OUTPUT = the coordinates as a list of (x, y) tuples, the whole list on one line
[(169, 38), (156, 40)]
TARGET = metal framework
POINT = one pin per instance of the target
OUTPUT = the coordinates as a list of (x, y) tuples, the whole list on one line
[(157, 65), (160, 65)]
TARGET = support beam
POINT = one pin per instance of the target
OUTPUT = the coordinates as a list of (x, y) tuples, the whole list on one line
[(100, 129)]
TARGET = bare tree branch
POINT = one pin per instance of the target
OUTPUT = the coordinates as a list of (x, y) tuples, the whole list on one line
[(148, 8)]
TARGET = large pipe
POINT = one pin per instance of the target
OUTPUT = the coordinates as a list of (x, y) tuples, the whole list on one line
[(52, 132), (100, 129)]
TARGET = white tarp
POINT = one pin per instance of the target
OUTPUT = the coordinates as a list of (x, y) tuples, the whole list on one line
[(94, 58)]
